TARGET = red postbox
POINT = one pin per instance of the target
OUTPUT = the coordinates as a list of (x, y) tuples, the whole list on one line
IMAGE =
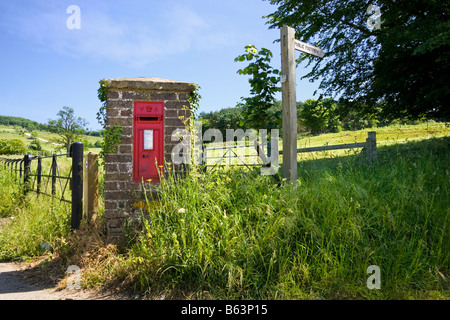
[(148, 140)]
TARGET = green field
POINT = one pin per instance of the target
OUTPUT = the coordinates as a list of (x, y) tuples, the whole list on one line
[(14, 132), (241, 235)]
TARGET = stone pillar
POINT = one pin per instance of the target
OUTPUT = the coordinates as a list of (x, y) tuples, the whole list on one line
[(122, 194)]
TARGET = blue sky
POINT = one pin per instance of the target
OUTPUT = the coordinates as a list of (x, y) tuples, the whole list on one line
[(45, 65)]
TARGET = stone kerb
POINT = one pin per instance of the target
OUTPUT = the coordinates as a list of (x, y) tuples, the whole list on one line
[(122, 195)]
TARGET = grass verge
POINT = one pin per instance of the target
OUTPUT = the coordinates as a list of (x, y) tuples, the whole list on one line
[(31, 225), (240, 236)]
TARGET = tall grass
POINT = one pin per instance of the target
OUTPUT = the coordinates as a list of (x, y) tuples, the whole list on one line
[(241, 236), (32, 224)]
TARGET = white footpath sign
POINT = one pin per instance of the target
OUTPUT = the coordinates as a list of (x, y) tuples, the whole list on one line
[(307, 48)]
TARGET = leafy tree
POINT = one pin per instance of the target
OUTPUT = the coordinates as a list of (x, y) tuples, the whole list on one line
[(98, 144), (227, 118), (320, 115), (359, 118), (264, 85), (67, 126), (404, 62)]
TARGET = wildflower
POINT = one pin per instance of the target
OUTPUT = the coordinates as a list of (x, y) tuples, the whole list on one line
[(140, 204), (181, 210)]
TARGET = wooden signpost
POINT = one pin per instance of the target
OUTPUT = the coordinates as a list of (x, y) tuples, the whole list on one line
[(288, 87)]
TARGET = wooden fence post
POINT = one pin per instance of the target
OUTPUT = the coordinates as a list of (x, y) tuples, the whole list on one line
[(371, 147), (77, 184), (91, 187)]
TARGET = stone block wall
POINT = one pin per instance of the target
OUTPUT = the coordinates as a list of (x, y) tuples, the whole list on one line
[(121, 193)]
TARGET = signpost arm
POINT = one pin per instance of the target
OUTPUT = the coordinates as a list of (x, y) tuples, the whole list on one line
[(288, 88)]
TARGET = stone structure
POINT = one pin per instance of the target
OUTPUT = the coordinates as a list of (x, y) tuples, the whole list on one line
[(122, 194)]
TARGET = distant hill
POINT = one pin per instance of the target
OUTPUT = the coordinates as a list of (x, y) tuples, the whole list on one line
[(30, 125)]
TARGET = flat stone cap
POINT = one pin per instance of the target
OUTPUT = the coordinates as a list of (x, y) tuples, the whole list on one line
[(157, 84)]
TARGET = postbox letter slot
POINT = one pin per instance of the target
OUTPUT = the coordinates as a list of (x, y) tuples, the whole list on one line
[(148, 118)]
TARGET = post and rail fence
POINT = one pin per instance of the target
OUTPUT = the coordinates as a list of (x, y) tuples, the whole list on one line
[(369, 149)]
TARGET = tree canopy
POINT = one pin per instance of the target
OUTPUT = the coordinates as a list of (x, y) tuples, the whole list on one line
[(402, 60), (67, 126)]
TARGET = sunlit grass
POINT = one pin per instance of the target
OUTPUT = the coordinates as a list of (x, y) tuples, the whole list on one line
[(243, 236), (32, 223)]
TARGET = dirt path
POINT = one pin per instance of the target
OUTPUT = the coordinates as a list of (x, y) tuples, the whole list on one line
[(43, 140), (20, 281), (37, 281)]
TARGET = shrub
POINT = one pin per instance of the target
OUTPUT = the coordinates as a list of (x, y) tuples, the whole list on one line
[(12, 146)]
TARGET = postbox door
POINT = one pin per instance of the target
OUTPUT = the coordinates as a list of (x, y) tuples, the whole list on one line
[(150, 156), (148, 141)]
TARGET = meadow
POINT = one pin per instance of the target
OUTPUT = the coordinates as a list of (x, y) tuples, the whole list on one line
[(234, 234), (48, 141)]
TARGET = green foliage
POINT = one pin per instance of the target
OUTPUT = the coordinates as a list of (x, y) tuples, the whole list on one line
[(413, 67), (30, 221), (113, 136), (12, 146), (112, 133), (264, 85), (320, 115), (405, 62), (35, 145), (227, 118), (67, 126), (194, 99), (98, 144), (101, 94), (22, 122)]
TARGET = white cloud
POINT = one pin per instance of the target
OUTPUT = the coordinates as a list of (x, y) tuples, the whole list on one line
[(103, 36)]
